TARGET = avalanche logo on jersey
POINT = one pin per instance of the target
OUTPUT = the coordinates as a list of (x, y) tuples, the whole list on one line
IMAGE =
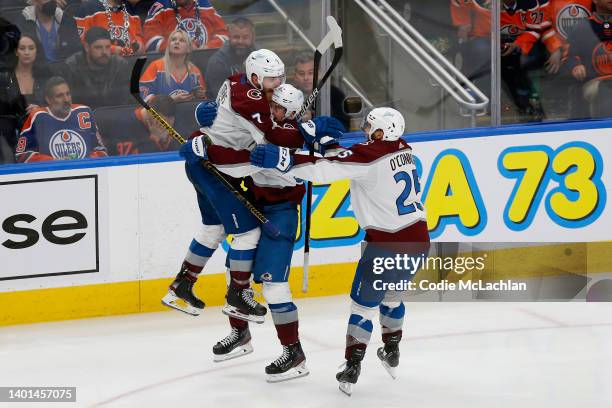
[(67, 144), (569, 16), (196, 30), (254, 94), (602, 58)]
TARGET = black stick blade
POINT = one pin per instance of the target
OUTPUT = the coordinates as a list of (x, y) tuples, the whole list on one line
[(136, 73)]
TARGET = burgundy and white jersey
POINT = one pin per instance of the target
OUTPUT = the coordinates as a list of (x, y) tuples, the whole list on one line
[(385, 187), (267, 185), (243, 117)]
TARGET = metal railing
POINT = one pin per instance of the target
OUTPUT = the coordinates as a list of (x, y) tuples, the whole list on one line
[(463, 91), (305, 38)]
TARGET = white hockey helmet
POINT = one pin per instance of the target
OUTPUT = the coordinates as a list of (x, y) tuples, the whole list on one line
[(289, 97), (264, 63), (389, 120)]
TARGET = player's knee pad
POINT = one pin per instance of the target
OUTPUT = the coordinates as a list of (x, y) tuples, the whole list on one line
[(391, 304), (277, 292), (211, 235), (364, 311), (247, 240)]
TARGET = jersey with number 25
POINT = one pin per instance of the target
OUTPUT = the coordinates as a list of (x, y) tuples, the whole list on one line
[(385, 187)]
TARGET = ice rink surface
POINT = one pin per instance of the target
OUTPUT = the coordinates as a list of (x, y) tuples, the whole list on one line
[(453, 355)]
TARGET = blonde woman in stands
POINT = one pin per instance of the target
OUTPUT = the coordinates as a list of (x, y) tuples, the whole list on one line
[(174, 74)]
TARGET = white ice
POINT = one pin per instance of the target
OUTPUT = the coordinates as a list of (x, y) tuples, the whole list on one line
[(453, 355)]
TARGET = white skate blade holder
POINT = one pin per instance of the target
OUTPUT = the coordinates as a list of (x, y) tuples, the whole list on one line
[(233, 312), (174, 302), (346, 387), (295, 372), (239, 351)]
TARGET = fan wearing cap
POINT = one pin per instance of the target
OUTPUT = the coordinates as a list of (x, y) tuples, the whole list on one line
[(386, 198)]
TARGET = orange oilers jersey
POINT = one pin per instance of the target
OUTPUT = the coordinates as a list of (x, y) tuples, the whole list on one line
[(199, 19), (567, 13), (126, 31), (533, 18), (476, 13)]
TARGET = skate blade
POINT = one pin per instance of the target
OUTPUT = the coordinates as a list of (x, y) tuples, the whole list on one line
[(233, 312), (346, 388), (239, 351), (391, 370), (174, 302), (295, 372)]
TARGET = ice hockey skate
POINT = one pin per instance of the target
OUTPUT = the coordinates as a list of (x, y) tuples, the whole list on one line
[(234, 345), (291, 364), (180, 294), (241, 305), (347, 378), (389, 356)]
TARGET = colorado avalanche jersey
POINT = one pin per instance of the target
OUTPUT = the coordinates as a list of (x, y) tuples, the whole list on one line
[(243, 117), (47, 137), (199, 20), (268, 186), (385, 187)]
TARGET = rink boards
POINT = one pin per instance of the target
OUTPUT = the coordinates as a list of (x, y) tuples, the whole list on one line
[(99, 237)]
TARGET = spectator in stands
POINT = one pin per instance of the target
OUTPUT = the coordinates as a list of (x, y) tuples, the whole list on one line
[(590, 58), (302, 79), (139, 132), (174, 74), (54, 30), (60, 131), (197, 18), (229, 59), (30, 75), (12, 103), (124, 29), (473, 22), (97, 77), (139, 8)]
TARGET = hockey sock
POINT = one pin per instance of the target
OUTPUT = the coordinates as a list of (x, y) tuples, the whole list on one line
[(197, 257), (241, 263), (285, 318), (358, 334), (391, 320), (238, 324)]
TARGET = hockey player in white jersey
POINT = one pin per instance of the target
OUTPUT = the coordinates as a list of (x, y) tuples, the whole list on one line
[(242, 120), (385, 196), (278, 196)]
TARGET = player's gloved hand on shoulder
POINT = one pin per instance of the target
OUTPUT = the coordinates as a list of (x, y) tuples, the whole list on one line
[(321, 132), (319, 129), (272, 157), (194, 150), (205, 113)]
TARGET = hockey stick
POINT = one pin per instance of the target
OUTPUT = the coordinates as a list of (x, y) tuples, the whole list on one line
[(135, 91), (333, 37)]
